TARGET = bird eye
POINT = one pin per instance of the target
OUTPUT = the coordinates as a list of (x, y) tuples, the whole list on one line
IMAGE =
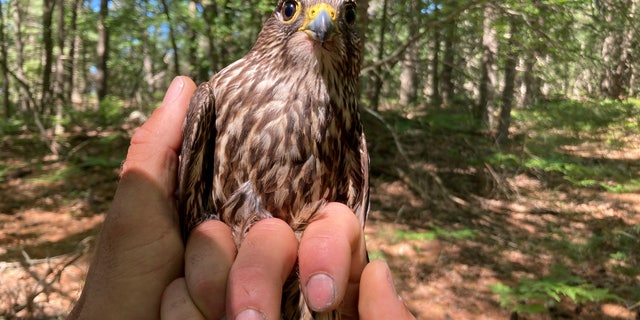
[(350, 13), (288, 10)]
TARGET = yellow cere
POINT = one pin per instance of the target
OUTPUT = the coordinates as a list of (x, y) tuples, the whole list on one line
[(315, 10)]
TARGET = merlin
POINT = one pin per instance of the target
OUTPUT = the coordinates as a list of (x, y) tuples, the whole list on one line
[(277, 134)]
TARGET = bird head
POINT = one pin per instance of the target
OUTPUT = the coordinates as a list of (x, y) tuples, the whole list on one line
[(324, 30)]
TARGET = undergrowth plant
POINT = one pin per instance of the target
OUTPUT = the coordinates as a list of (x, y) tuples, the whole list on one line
[(557, 127), (536, 295)]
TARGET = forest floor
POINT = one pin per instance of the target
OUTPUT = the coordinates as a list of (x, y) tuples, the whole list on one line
[(547, 227)]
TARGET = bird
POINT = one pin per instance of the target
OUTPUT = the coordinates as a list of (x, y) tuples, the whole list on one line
[(277, 133)]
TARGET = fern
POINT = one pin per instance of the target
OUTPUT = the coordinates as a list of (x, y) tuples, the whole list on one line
[(532, 295)]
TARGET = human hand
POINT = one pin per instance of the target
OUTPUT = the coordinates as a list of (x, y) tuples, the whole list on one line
[(141, 252), (332, 246), (331, 249)]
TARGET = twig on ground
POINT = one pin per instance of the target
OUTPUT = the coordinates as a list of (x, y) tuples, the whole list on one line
[(45, 283), (408, 178)]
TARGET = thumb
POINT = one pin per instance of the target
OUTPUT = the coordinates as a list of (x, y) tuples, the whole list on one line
[(155, 146), (378, 297)]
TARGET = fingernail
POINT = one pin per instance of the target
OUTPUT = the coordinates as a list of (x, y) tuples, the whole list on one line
[(320, 292), (175, 88), (250, 314)]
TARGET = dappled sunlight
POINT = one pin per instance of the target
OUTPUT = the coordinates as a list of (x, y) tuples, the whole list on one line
[(616, 311), (503, 137), (537, 219), (52, 284), (593, 149), (35, 231), (50, 215), (470, 231), (397, 193), (629, 202)]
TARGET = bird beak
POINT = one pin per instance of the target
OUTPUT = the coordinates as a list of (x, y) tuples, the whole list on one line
[(320, 23)]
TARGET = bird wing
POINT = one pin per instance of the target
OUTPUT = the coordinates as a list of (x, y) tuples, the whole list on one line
[(363, 211), (195, 173)]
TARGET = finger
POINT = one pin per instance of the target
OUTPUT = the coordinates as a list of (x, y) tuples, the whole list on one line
[(331, 257), (209, 255), (177, 304), (155, 146), (378, 297), (265, 260)]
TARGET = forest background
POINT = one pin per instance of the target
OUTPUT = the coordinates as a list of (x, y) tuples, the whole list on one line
[(504, 141)]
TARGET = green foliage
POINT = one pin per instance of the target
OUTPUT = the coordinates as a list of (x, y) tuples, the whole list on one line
[(508, 160), (535, 295), (450, 121), (402, 235), (4, 169), (59, 175), (103, 152), (626, 240), (558, 127), (581, 118), (617, 240), (631, 185), (376, 255), (437, 232), (454, 234), (98, 162), (572, 169), (111, 111), (10, 126)]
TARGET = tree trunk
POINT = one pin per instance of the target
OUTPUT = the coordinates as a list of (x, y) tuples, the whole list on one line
[(377, 74), (102, 52), (172, 38), (24, 92), (363, 21), (486, 107), (150, 78), (58, 86), (409, 76), (509, 84), (29, 100), (615, 51), (436, 98), (73, 45), (209, 13), (632, 35), (47, 38), (410, 65), (531, 91), (4, 69), (225, 52), (79, 70), (530, 81), (193, 45), (448, 63)]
